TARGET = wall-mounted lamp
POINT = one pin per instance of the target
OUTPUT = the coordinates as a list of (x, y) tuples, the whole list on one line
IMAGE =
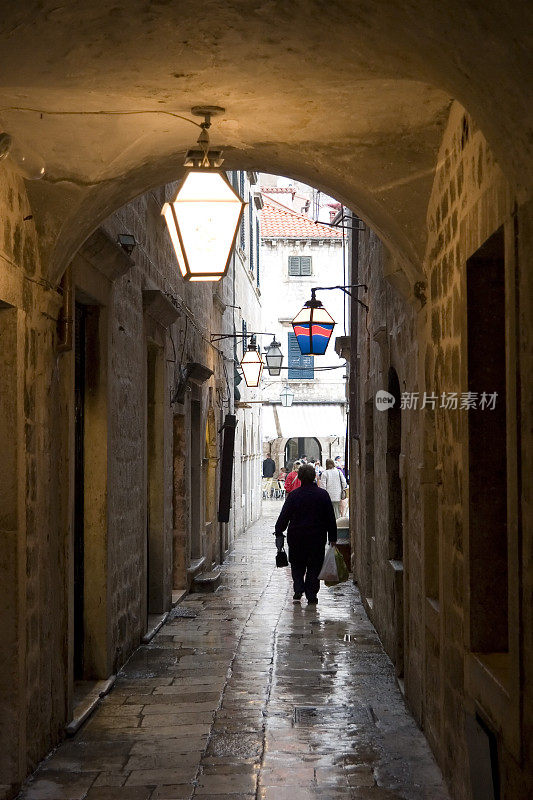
[(286, 396), (127, 242), (25, 160), (313, 325), (204, 217), (252, 365), (274, 358)]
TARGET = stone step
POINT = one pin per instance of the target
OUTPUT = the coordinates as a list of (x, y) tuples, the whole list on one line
[(206, 581)]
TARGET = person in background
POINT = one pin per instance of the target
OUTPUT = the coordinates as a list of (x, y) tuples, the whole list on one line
[(339, 463), (269, 470), (318, 470), (334, 482), (281, 482), (292, 481), (310, 518), (303, 459)]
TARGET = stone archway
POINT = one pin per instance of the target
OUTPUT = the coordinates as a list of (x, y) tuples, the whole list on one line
[(372, 141)]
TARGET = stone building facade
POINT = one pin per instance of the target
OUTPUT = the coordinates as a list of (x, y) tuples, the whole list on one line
[(113, 402), (297, 254), (441, 556)]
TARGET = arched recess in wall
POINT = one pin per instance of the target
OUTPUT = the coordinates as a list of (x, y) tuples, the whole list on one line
[(395, 517), (394, 446), (309, 446)]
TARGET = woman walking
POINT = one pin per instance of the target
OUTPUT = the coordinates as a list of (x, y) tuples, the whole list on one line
[(334, 482), (292, 481)]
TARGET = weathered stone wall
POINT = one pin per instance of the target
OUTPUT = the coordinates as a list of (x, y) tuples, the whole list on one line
[(33, 559), (137, 458), (421, 602)]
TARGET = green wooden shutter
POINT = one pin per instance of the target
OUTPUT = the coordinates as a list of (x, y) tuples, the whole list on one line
[(305, 265), (300, 367), (294, 265)]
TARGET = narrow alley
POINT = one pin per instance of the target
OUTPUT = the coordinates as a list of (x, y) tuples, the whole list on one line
[(244, 694)]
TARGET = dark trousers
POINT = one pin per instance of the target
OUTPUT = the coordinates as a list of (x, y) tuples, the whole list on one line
[(305, 567)]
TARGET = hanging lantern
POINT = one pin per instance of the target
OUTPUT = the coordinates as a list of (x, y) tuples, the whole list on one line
[(252, 365), (313, 327), (287, 396), (204, 217), (274, 358), (203, 221)]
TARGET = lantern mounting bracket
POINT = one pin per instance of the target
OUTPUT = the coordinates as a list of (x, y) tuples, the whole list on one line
[(207, 112), (346, 288), (217, 337), (206, 157)]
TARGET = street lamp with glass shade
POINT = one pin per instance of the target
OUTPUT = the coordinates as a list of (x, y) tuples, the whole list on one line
[(287, 396), (313, 327), (274, 358), (252, 365), (204, 217)]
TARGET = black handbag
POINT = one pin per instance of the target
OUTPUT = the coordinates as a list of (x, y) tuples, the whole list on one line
[(281, 558)]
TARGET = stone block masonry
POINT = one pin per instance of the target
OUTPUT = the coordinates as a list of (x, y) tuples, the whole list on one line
[(96, 495), (419, 579)]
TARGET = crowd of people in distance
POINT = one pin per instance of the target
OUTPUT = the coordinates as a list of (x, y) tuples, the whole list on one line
[(332, 478)]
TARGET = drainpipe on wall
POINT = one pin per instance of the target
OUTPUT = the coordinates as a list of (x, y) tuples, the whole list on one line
[(65, 323)]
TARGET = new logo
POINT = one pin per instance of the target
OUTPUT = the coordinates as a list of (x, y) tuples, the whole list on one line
[(384, 400)]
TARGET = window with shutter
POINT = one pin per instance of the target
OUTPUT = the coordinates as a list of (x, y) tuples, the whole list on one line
[(299, 266), (300, 367)]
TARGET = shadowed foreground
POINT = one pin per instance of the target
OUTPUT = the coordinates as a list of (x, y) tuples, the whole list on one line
[(243, 694)]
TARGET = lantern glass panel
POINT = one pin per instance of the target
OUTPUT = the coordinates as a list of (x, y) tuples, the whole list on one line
[(252, 367), (174, 238)]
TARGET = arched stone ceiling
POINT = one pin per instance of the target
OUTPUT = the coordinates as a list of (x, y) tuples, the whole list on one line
[(350, 96)]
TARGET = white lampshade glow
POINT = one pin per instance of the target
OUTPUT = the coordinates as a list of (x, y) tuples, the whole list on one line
[(203, 220), (252, 367)]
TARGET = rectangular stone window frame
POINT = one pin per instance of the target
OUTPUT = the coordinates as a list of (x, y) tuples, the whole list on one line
[(493, 677)]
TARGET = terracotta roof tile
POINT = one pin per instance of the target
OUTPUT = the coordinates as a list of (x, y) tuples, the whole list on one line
[(279, 222)]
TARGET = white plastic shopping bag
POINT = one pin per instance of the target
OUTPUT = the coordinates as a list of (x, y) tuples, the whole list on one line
[(329, 567)]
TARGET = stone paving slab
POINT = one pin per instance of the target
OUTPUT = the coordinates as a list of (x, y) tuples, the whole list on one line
[(243, 694)]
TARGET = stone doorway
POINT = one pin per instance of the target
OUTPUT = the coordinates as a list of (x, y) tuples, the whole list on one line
[(303, 446), (79, 488), (154, 481), (196, 479)]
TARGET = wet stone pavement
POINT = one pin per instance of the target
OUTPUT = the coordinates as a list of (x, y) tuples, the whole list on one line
[(243, 694)]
